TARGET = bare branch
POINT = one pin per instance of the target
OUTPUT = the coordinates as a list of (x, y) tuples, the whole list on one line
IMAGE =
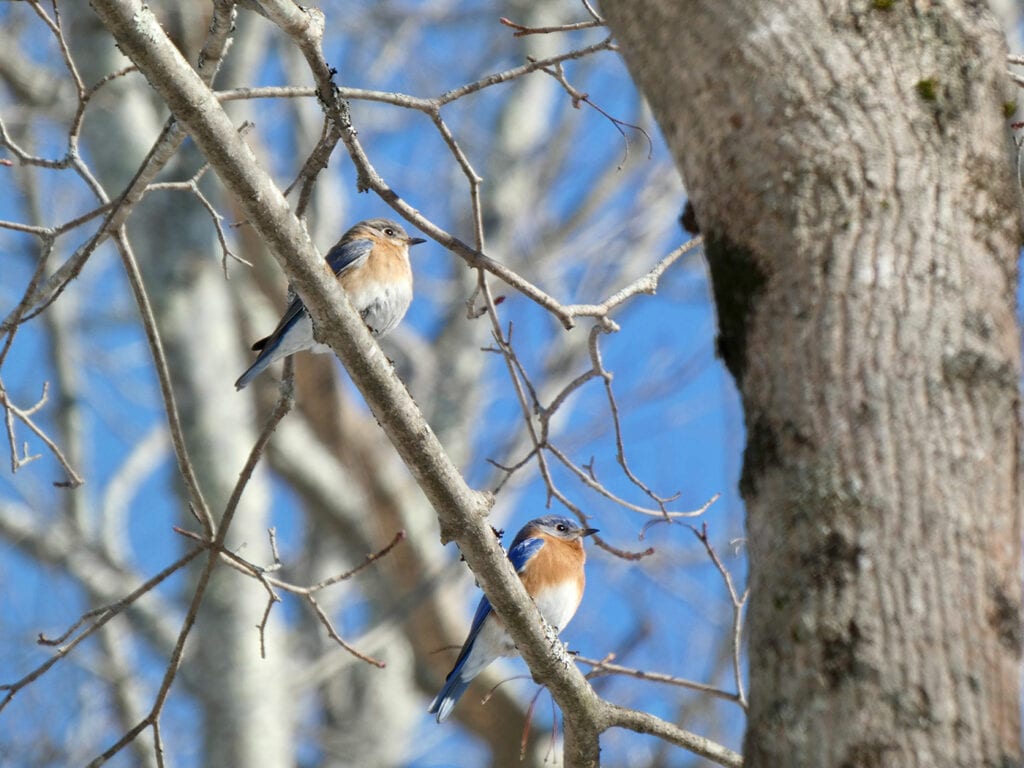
[(333, 634), (95, 619), (642, 722), (156, 348), (260, 574), (602, 667), (522, 31), (24, 415), (192, 186), (738, 602)]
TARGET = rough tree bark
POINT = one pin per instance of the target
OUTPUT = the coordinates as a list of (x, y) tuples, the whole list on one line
[(849, 166)]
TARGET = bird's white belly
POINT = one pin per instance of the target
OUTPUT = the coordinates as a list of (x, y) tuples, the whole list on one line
[(382, 307), (558, 604)]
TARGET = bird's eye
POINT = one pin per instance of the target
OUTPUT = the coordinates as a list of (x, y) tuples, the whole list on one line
[(389, 232), (562, 527)]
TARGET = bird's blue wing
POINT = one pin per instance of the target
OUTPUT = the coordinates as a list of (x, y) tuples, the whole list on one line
[(348, 255), (454, 684), (295, 309), (341, 258), (482, 610), (268, 346), (519, 555), (522, 551)]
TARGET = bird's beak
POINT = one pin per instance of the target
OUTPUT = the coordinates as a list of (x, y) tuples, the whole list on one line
[(588, 532), (416, 240)]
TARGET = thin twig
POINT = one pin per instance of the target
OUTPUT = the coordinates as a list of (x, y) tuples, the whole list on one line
[(620, 445), (192, 187), (522, 31), (163, 375), (602, 667), (738, 602), (98, 617), (308, 592), (24, 415)]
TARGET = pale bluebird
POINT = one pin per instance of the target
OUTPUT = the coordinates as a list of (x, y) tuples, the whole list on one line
[(372, 264), (548, 556)]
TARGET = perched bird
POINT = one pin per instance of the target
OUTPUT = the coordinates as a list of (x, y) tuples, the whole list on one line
[(548, 556), (372, 264)]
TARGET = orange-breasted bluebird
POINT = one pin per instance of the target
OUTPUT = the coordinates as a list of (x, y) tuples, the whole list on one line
[(372, 264), (548, 556)]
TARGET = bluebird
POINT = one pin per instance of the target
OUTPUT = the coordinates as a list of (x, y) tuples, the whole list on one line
[(548, 556), (371, 262)]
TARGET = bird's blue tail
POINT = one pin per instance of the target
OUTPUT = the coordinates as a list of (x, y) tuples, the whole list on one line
[(253, 370), (446, 699)]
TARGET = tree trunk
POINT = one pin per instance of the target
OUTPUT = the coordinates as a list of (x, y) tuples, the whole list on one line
[(851, 172)]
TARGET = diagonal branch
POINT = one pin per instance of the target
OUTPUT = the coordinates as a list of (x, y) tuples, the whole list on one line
[(461, 511), (642, 722)]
